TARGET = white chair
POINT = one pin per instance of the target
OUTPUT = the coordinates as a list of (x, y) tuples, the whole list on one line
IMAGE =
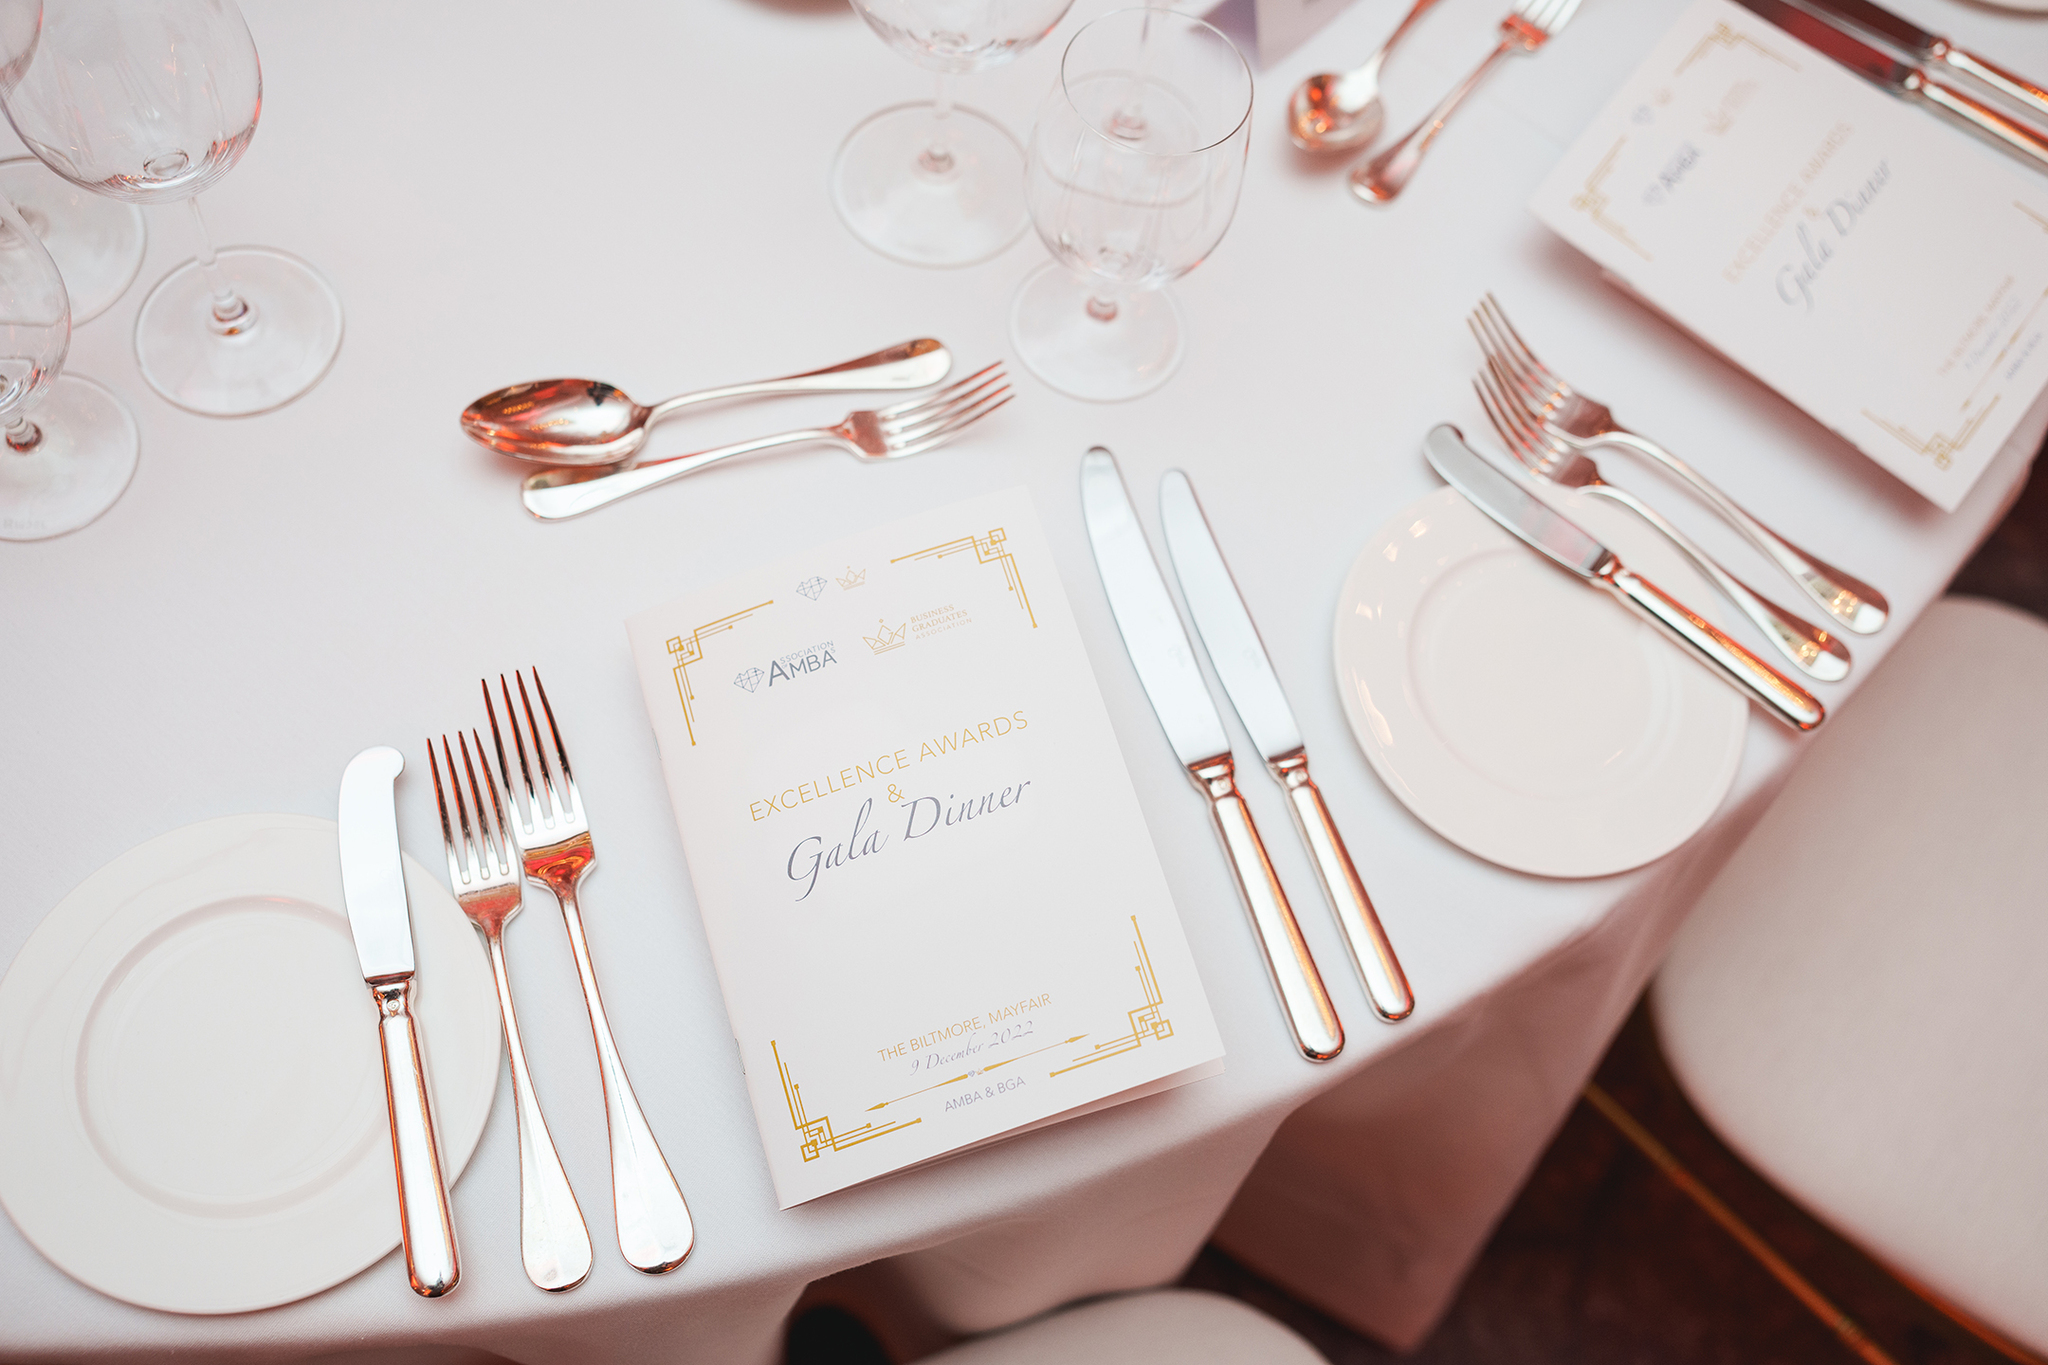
[(1859, 1003), (1163, 1327)]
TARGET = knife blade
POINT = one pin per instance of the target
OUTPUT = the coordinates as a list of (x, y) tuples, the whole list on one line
[(1563, 543), (1910, 38), (373, 888), (1239, 656), (1888, 72), (1165, 661)]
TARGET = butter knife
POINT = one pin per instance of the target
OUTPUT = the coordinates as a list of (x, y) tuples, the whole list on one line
[(1564, 544), (1165, 661), (373, 886), (1888, 72), (1225, 625), (1918, 43)]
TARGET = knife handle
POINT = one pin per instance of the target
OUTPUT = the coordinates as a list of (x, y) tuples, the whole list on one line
[(1386, 985), (1310, 1014), (1782, 697), (2019, 136), (424, 1221), (1997, 77)]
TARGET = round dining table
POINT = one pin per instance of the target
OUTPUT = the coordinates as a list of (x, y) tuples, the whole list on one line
[(637, 192)]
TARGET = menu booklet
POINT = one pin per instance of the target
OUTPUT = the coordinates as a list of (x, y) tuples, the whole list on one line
[(1876, 265), (936, 913)]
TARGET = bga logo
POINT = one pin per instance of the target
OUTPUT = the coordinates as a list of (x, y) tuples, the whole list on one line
[(811, 659)]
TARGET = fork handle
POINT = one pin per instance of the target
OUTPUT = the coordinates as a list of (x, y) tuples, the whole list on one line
[(655, 1231), (1856, 605), (558, 494), (1386, 175)]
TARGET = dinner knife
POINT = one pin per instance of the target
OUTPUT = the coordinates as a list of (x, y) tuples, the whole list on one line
[(1882, 69), (373, 886), (1225, 625), (1918, 43), (1165, 661), (1564, 544)]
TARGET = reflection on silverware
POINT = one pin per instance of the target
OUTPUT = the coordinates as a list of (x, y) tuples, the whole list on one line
[(1919, 43), (909, 428), (584, 422), (1225, 625), (1579, 422), (1564, 544), (655, 1231), (1165, 661), (1334, 112), (1532, 24), (488, 875), (1809, 648), (373, 887)]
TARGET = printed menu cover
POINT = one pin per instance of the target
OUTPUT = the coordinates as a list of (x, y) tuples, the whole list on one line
[(936, 912), (1873, 263)]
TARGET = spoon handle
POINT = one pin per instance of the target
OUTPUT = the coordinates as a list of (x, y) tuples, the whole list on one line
[(558, 494), (909, 365), (1386, 175)]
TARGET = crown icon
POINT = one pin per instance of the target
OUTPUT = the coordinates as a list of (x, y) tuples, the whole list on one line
[(887, 639), (853, 578)]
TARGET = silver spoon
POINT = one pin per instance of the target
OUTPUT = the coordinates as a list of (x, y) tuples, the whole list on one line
[(1333, 111), (583, 422)]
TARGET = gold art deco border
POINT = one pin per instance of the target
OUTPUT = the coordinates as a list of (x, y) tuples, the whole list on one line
[(687, 650), (1728, 39), (818, 1137), (992, 548), (1147, 1021), (1593, 201)]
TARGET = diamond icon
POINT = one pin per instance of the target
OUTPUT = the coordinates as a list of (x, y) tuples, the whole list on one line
[(811, 587), (749, 679)]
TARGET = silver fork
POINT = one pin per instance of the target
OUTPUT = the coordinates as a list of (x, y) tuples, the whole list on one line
[(1532, 24), (1817, 652), (487, 877), (1582, 423), (908, 428), (655, 1231)]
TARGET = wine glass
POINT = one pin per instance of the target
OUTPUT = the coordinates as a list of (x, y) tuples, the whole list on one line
[(70, 462), (97, 243), (935, 184), (1132, 178), (152, 103)]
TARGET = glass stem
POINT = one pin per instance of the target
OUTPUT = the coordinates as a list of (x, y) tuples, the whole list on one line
[(1101, 309), (232, 315), (23, 435), (938, 159)]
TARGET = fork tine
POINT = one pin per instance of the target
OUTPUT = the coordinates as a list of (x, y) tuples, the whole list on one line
[(936, 410), (1495, 415), (912, 404), (487, 839), (1518, 349), (441, 800), (509, 853), (518, 743), (1485, 322), (947, 416), (461, 810), (934, 440), (540, 751), (561, 753)]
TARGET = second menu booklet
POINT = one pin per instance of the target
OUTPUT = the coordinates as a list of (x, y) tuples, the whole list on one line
[(935, 909)]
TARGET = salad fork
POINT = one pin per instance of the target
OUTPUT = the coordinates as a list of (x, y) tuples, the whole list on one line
[(907, 428), (1815, 651), (1578, 421), (1529, 26), (486, 875), (655, 1231)]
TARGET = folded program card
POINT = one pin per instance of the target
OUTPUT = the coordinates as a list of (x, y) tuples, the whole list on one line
[(1879, 267), (935, 909)]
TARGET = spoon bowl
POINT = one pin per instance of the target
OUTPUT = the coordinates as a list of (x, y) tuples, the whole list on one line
[(1331, 112)]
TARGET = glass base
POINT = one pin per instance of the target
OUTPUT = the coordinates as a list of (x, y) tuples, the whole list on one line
[(76, 471), (895, 200), (195, 364), (1100, 360), (97, 243)]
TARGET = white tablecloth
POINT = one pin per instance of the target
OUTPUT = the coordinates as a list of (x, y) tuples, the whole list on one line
[(636, 192)]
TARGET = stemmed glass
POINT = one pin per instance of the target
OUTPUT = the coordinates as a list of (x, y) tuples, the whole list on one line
[(98, 244), (69, 464), (936, 184), (152, 103), (1132, 178)]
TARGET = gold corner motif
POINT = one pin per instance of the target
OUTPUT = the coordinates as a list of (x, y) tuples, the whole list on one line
[(816, 1134), (992, 548), (1940, 448), (685, 650), (1593, 201), (1147, 1021), (1729, 39)]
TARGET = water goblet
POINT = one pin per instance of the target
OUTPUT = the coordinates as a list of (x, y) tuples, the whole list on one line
[(71, 459), (935, 184), (98, 243), (153, 103), (1132, 177)]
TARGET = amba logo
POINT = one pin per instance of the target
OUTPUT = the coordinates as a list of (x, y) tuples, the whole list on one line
[(788, 668)]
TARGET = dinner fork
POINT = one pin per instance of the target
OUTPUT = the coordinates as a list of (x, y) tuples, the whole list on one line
[(487, 876), (1532, 24), (1815, 651), (1578, 421), (907, 428), (655, 1231)]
